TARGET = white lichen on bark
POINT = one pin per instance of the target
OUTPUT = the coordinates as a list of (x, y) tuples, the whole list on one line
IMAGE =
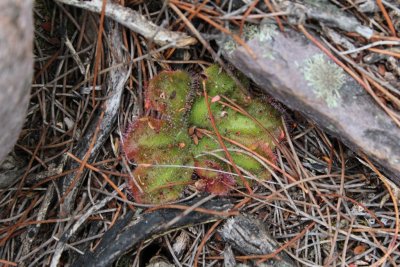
[(325, 78)]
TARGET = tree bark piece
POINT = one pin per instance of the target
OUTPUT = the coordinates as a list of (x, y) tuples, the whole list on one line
[(115, 86), (325, 12), (250, 237), (16, 67), (298, 74)]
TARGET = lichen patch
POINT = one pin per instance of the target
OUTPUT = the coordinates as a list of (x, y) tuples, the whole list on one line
[(325, 78)]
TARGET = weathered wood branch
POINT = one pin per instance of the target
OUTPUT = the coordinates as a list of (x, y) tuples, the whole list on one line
[(115, 85), (135, 22), (130, 231), (300, 75)]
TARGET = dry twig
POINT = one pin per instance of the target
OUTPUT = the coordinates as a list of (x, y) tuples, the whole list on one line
[(135, 22)]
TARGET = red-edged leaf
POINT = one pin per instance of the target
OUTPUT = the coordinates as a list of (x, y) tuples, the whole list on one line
[(143, 126), (207, 164), (217, 186)]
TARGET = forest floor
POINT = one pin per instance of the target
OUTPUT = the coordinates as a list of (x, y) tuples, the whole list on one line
[(323, 206)]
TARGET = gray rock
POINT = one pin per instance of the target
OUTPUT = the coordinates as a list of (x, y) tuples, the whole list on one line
[(16, 66)]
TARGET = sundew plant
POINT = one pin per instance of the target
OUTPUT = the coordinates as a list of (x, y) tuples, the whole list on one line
[(175, 144)]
